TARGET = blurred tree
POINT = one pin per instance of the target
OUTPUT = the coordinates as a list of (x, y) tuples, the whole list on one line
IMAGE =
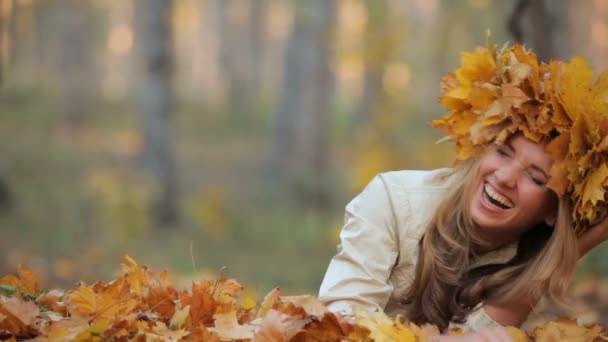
[(69, 32), (376, 52), (241, 38), (257, 32), (301, 147), (543, 26), (153, 18), (6, 198), (380, 142)]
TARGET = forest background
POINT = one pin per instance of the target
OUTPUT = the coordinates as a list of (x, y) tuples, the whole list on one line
[(209, 135)]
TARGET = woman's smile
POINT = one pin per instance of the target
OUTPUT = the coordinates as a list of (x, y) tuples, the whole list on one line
[(493, 200)]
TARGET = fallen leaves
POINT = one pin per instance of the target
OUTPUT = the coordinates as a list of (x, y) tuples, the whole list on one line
[(138, 306)]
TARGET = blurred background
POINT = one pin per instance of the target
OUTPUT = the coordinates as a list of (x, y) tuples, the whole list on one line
[(209, 135)]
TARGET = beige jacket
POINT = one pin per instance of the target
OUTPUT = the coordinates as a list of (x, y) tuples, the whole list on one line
[(376, 259)]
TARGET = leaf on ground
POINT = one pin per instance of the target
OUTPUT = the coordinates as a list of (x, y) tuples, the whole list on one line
[(310, 304), (382, 328), (279, 326), (19, 315), (228, 327), (563, 329)]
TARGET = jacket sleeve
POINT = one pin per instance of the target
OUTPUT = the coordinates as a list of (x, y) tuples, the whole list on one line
[(358, 274)]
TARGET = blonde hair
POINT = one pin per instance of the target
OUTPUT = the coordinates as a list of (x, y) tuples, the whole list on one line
[(445, 289)]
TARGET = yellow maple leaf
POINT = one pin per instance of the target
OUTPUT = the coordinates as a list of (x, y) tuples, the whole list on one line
[(135, 276), (575, 85), (563, 329), (382, 328), (82, 301), (180, 318), (593, 191), (477, 66)]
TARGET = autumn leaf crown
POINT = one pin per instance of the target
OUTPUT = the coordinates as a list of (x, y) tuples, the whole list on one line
[(495, 94)]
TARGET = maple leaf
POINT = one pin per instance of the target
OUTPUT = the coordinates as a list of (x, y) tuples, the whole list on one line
[(105, 306), (269, 301), (593, 191), (202, 333), (310, 304), (180, 317), (19, 316), (279, 326), (327, 328), (228, 327), (575, 83), (67, 330), (202, 304), (477, 66), (563, 329), (161, 332), (516, 334), (25, 280), (135, 276), (161, 296), (225, 289), (382, 328), (53, 301)]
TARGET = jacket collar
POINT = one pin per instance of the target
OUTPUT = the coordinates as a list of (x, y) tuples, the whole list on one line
[(497, 256)]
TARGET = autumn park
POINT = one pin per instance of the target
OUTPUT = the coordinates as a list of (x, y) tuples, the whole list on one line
[(178, 170)]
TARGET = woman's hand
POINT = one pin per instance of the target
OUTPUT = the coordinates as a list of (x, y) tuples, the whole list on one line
[(594, 236), (498, 334)]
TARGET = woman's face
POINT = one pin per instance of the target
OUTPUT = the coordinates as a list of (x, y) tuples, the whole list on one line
[(511, 195)]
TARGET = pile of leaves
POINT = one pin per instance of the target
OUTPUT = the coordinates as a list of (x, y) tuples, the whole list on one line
[(141, 306)]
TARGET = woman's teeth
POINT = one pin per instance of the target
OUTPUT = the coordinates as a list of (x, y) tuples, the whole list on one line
[(496, 198)]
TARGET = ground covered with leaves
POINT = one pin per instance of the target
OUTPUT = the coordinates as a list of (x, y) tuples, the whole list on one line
[(140, 305)]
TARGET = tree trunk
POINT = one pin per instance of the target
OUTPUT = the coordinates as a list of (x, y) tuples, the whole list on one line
[(70, 39), (543, 26), (257, 21), (301, 145), (157, 106), (6, 198), (376, 53), (235, 57)]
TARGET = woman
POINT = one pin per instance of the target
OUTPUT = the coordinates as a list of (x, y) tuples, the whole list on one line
[(479, 244)]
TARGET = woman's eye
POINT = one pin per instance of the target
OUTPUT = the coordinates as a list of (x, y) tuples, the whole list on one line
[(538, 181), (501, 151)]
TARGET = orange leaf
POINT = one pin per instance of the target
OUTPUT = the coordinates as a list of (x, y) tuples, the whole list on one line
[(82, 301), (28, 279), (228, 327), (19, 316)]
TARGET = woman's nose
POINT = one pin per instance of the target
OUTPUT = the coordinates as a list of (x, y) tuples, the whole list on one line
[(507, 175)]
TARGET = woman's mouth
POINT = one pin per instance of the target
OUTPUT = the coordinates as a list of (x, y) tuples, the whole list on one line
[(495, 199)]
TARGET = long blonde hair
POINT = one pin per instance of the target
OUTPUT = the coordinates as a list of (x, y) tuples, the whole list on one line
[(445, 289)]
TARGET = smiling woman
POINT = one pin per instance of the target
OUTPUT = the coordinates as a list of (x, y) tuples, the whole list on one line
[(478, 245)]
